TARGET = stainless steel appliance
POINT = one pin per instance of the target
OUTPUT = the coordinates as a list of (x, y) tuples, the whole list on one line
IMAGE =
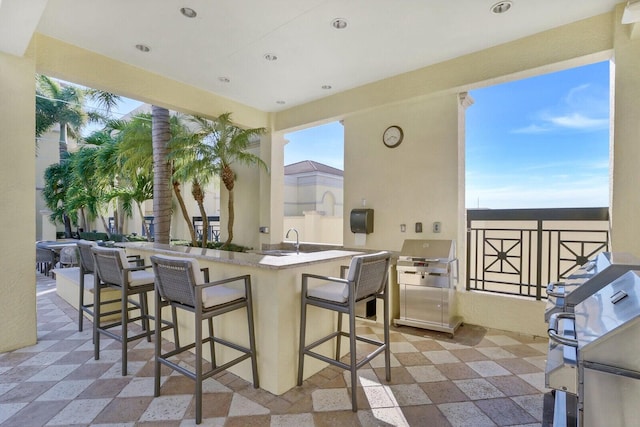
[(588, 279), (593, 361), (427, 270)]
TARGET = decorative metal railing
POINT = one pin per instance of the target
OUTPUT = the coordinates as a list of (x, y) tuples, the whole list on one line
[(214, 227), (519, 251)]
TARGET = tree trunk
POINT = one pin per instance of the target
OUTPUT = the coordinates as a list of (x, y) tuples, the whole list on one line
[(185, 213), (67, 226), (116, 220), (231, 217), (83, 219), (105, 225), (62, 142), (160, 136), (198, 196), (145, 226)]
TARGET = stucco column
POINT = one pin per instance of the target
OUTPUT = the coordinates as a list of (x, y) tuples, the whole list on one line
[(17, 210), (625, 150), (464, 101), (272, 197)]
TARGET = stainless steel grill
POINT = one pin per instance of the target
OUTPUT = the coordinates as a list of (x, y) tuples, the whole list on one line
[(427, 271), (593, 361), (588, 279)]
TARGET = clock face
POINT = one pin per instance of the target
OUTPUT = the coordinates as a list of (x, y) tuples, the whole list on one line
[(392, 136)]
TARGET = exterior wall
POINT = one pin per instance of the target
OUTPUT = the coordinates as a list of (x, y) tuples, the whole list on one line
[(423, 189), (17, 211), (313, 191), (307, 192), (315, 228)]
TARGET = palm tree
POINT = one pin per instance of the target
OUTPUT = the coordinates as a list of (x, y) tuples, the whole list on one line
[(193, 159), (136, 147), (161, 174), (58, 179), (62, 105), (229, 145)]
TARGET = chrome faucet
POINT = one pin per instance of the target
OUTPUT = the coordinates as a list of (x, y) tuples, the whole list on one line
[(297, 244)]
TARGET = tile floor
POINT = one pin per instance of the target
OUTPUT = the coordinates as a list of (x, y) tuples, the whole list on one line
[(480, 378)]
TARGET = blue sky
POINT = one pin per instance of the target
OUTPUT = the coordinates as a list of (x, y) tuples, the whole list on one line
[(541, 142), (324, 144)]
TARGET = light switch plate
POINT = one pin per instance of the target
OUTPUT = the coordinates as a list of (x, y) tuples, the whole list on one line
[(437, 227), (418, 227)]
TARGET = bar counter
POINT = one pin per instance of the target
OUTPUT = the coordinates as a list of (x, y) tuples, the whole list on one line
[(275, 283)]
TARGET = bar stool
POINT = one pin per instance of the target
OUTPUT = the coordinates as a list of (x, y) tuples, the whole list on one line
[(366, 280), (87, 268), (181, 283), (111, 272)]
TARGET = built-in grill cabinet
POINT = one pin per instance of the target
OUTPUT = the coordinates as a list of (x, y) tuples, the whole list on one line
[(589, 278), (427, 271), (594, 358)]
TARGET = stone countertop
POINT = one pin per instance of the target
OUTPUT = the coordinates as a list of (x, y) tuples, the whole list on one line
[(274, 262)]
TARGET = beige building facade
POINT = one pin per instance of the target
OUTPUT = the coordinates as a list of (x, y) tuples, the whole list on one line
[(428, 103)]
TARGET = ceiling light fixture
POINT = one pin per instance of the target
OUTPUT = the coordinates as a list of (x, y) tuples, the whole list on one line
[(188, 12), (281, 102), (339, 23), (501, 7), (270, 56), (325, 87), (224, 79), (143, 48)]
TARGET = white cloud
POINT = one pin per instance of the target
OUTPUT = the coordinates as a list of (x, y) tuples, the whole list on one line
[(532, 129), (579, 121), (583, 108)]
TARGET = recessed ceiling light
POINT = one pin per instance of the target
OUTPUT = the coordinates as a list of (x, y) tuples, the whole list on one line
[(224, 79), (143, 48), (281, 102), (501, 7), (339, 23), (270, 56), (188, 12), (326, 87)]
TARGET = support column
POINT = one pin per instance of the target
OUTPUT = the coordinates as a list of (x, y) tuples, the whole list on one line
[(17, 210), (625, 150)]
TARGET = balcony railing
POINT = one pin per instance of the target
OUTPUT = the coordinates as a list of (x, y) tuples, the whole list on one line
[(519, 251)]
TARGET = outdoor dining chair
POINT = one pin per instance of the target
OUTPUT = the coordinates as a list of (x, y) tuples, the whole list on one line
[(367, 279), (181, 283)]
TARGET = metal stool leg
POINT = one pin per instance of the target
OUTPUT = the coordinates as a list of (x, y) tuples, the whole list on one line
[(252, 335), (303, 327), (354, 370)]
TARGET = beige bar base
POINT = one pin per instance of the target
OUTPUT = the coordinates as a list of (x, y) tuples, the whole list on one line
[(67, 288)]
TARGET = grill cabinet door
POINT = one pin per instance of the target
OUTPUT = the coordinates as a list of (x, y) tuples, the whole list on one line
[(423, 303)]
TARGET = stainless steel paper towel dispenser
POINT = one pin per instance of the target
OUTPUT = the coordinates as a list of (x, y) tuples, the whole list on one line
[(361, 221)]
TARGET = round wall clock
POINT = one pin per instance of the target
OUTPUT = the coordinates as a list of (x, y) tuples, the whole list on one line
[(392, 136)]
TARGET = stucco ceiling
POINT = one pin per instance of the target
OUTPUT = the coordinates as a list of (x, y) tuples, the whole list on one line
[(228, 39)]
